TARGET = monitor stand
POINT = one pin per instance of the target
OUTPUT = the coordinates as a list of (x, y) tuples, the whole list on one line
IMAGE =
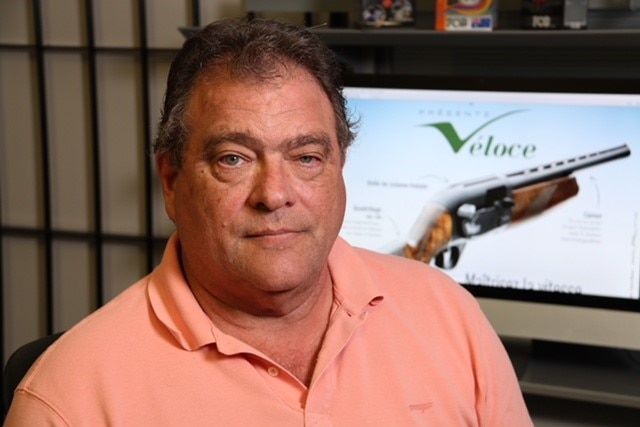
[(604, 375)]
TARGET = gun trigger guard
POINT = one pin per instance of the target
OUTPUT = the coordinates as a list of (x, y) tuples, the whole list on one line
[(449, 256)]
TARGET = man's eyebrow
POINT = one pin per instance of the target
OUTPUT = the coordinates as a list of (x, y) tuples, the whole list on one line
[(244, 139), (211, 142), (321, 139)]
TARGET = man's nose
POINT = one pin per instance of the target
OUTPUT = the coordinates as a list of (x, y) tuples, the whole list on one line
[(272, 186)]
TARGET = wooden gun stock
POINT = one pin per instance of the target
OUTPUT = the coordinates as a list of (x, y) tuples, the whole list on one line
[(534, 199), (433, 241), (528, 201)]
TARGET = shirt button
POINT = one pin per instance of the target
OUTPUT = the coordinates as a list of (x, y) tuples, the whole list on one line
[(273, 371)]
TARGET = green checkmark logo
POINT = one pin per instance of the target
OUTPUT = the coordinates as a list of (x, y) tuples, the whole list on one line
[(452, 136)]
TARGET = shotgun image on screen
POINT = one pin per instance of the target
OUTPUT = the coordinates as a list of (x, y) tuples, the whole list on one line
[(469, 209)]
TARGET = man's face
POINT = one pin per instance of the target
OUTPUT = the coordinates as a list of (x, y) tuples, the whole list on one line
[(259, 198)]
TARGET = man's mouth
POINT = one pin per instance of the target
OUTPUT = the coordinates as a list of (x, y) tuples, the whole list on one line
[(275, 233)]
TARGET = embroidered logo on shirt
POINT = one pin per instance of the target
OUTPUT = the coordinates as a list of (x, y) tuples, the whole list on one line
[(421, 407)]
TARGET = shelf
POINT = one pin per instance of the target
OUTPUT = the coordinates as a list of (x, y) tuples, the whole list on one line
[(595, 53), (393, 37)]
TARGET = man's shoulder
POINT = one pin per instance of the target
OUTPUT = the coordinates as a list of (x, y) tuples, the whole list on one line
[(99, 336), (101, 360)]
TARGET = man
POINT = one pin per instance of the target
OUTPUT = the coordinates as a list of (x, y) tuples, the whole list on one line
[(258, 313)]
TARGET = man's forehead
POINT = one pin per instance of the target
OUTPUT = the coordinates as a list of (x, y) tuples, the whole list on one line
[(209, 93)]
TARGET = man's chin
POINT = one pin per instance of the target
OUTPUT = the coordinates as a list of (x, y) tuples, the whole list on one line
[(283, 275)]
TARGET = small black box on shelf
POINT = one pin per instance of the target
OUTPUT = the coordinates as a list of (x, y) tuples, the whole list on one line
[(542, 14), (554, 14)]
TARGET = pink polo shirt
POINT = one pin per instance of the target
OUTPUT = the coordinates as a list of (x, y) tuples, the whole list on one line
[(406, 346)]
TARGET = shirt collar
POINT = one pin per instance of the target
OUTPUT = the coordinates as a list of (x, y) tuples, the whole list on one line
[(174, 304), (355, 288), (176, 307)]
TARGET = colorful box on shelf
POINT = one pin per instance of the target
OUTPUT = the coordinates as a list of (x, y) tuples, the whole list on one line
[(466, 15)]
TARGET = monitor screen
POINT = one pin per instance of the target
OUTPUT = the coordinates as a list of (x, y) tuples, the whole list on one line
[(522, 190)]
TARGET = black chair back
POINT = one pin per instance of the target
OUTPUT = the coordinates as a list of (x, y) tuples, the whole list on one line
[(19, 363)]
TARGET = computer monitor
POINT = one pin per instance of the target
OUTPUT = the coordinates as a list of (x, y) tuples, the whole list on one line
[(525, 191)]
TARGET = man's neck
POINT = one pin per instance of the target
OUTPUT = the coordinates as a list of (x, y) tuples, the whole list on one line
[(292, 338)]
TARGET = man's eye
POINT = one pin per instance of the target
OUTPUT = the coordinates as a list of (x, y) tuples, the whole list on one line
[(308, 160), (231, 160)]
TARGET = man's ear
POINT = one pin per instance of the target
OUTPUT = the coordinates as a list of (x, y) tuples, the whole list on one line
[(168, 173)]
